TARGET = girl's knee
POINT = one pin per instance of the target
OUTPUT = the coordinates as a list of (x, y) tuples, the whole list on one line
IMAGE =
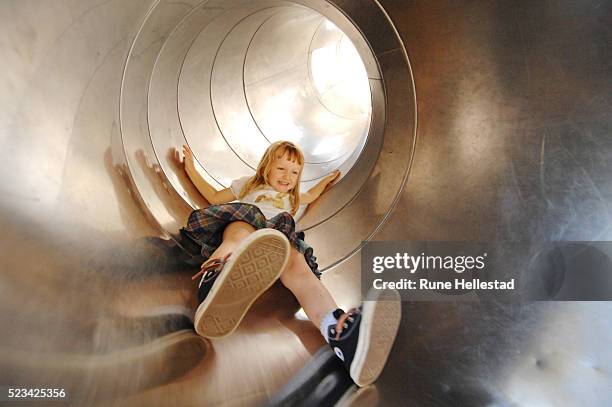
[(296, 259), (297, 269), (237, 230)]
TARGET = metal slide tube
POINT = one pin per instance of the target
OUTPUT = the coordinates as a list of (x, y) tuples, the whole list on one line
[(513, 143)]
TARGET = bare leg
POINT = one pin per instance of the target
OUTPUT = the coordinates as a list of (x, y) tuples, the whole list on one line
[(233, 234), (307, 288)]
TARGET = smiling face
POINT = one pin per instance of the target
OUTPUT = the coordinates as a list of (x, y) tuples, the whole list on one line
[(284, 173)]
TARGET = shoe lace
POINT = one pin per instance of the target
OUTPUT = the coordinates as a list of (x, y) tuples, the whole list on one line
[(345, 321), (211, 264)]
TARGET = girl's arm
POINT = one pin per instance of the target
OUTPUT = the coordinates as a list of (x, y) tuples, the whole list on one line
[(316, 191), (208, 191)]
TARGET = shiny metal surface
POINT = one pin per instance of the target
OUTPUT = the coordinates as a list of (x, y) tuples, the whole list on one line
[(513, 143)]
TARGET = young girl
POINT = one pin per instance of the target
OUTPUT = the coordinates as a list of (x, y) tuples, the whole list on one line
[(250, 243)]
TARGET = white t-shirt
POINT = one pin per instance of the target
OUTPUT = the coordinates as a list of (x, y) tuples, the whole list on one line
[(269, 201)]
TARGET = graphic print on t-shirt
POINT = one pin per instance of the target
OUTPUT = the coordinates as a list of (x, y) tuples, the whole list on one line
[(278, 200)]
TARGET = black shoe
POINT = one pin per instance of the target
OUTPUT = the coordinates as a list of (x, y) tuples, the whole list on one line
[(363, 337), (210, 271), (229, 286)]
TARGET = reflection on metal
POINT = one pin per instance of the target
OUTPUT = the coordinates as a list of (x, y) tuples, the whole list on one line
[(513, 144)]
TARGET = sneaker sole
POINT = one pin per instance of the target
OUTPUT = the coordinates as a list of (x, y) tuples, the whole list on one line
[(380, 321), (251, 270)]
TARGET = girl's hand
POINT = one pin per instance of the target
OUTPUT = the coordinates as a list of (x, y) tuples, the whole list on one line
[(332, 177)]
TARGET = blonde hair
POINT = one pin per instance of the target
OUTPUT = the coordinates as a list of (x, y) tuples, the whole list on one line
[(274, 151)]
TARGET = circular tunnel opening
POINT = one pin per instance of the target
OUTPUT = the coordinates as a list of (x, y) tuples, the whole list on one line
[(230, 78), (305, 82), (278, 73)]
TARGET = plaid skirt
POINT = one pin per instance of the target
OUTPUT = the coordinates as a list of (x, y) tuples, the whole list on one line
[(204, 230)]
